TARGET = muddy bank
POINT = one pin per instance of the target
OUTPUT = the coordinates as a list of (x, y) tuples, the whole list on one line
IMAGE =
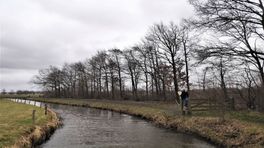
[(39, 134), (228, 133)]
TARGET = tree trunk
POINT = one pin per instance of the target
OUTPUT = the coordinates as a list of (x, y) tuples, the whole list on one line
[(147, 91), (132, 81), (223, 85), (175, 80), (112, 84), (100, 83), (119, 77), (106, 84), (186, 66)]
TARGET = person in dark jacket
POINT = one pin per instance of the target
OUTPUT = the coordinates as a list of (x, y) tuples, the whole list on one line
[(185, 98)]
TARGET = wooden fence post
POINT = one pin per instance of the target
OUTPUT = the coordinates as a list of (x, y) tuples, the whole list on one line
[(189, 107), (46, 109), (182, 107), (210, 103), (33, 116), (232, 103)]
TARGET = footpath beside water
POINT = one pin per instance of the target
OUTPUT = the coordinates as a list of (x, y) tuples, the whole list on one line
[(224, 133)]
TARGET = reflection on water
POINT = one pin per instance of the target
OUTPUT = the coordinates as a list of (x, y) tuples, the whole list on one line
[(87, 127)]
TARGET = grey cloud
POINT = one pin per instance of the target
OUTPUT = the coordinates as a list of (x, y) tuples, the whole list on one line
[(16, 79), (35, 34)]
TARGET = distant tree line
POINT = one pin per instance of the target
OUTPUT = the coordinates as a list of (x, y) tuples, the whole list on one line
[(3, 92), (219, 51), (18, 93)]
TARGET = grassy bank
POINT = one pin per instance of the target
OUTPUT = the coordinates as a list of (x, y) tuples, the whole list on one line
[(17, 128), (240, 129)]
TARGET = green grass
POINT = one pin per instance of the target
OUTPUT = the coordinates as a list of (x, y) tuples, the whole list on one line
[(16, 121)]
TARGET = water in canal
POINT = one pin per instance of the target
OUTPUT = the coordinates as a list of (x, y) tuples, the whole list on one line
[(93, 128)]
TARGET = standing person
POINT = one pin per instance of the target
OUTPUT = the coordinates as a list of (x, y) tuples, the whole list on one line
[(185, 98)]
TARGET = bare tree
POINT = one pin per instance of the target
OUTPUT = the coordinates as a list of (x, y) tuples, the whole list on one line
[(168, 39), (143, 59), (133, 69), (223, 12), (241, 21), (116, 53), (50, 79)]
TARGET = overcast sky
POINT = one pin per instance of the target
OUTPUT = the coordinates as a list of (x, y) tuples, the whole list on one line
[(37, 33)]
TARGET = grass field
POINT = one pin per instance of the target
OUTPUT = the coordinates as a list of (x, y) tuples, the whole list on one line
[(239, 129), (16, 121)]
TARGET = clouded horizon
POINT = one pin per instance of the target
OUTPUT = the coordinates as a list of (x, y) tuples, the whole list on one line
[(36, 34)]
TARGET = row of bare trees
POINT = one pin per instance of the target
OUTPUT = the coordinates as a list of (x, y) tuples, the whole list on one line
[(219, 50), (153, 68)]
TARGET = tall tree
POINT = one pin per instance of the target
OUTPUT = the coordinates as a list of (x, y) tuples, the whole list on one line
[(168, 39), (143, 59), (117, 53), (133, 69)]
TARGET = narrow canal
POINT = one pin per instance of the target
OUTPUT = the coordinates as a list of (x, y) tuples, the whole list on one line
[(93, 128)]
